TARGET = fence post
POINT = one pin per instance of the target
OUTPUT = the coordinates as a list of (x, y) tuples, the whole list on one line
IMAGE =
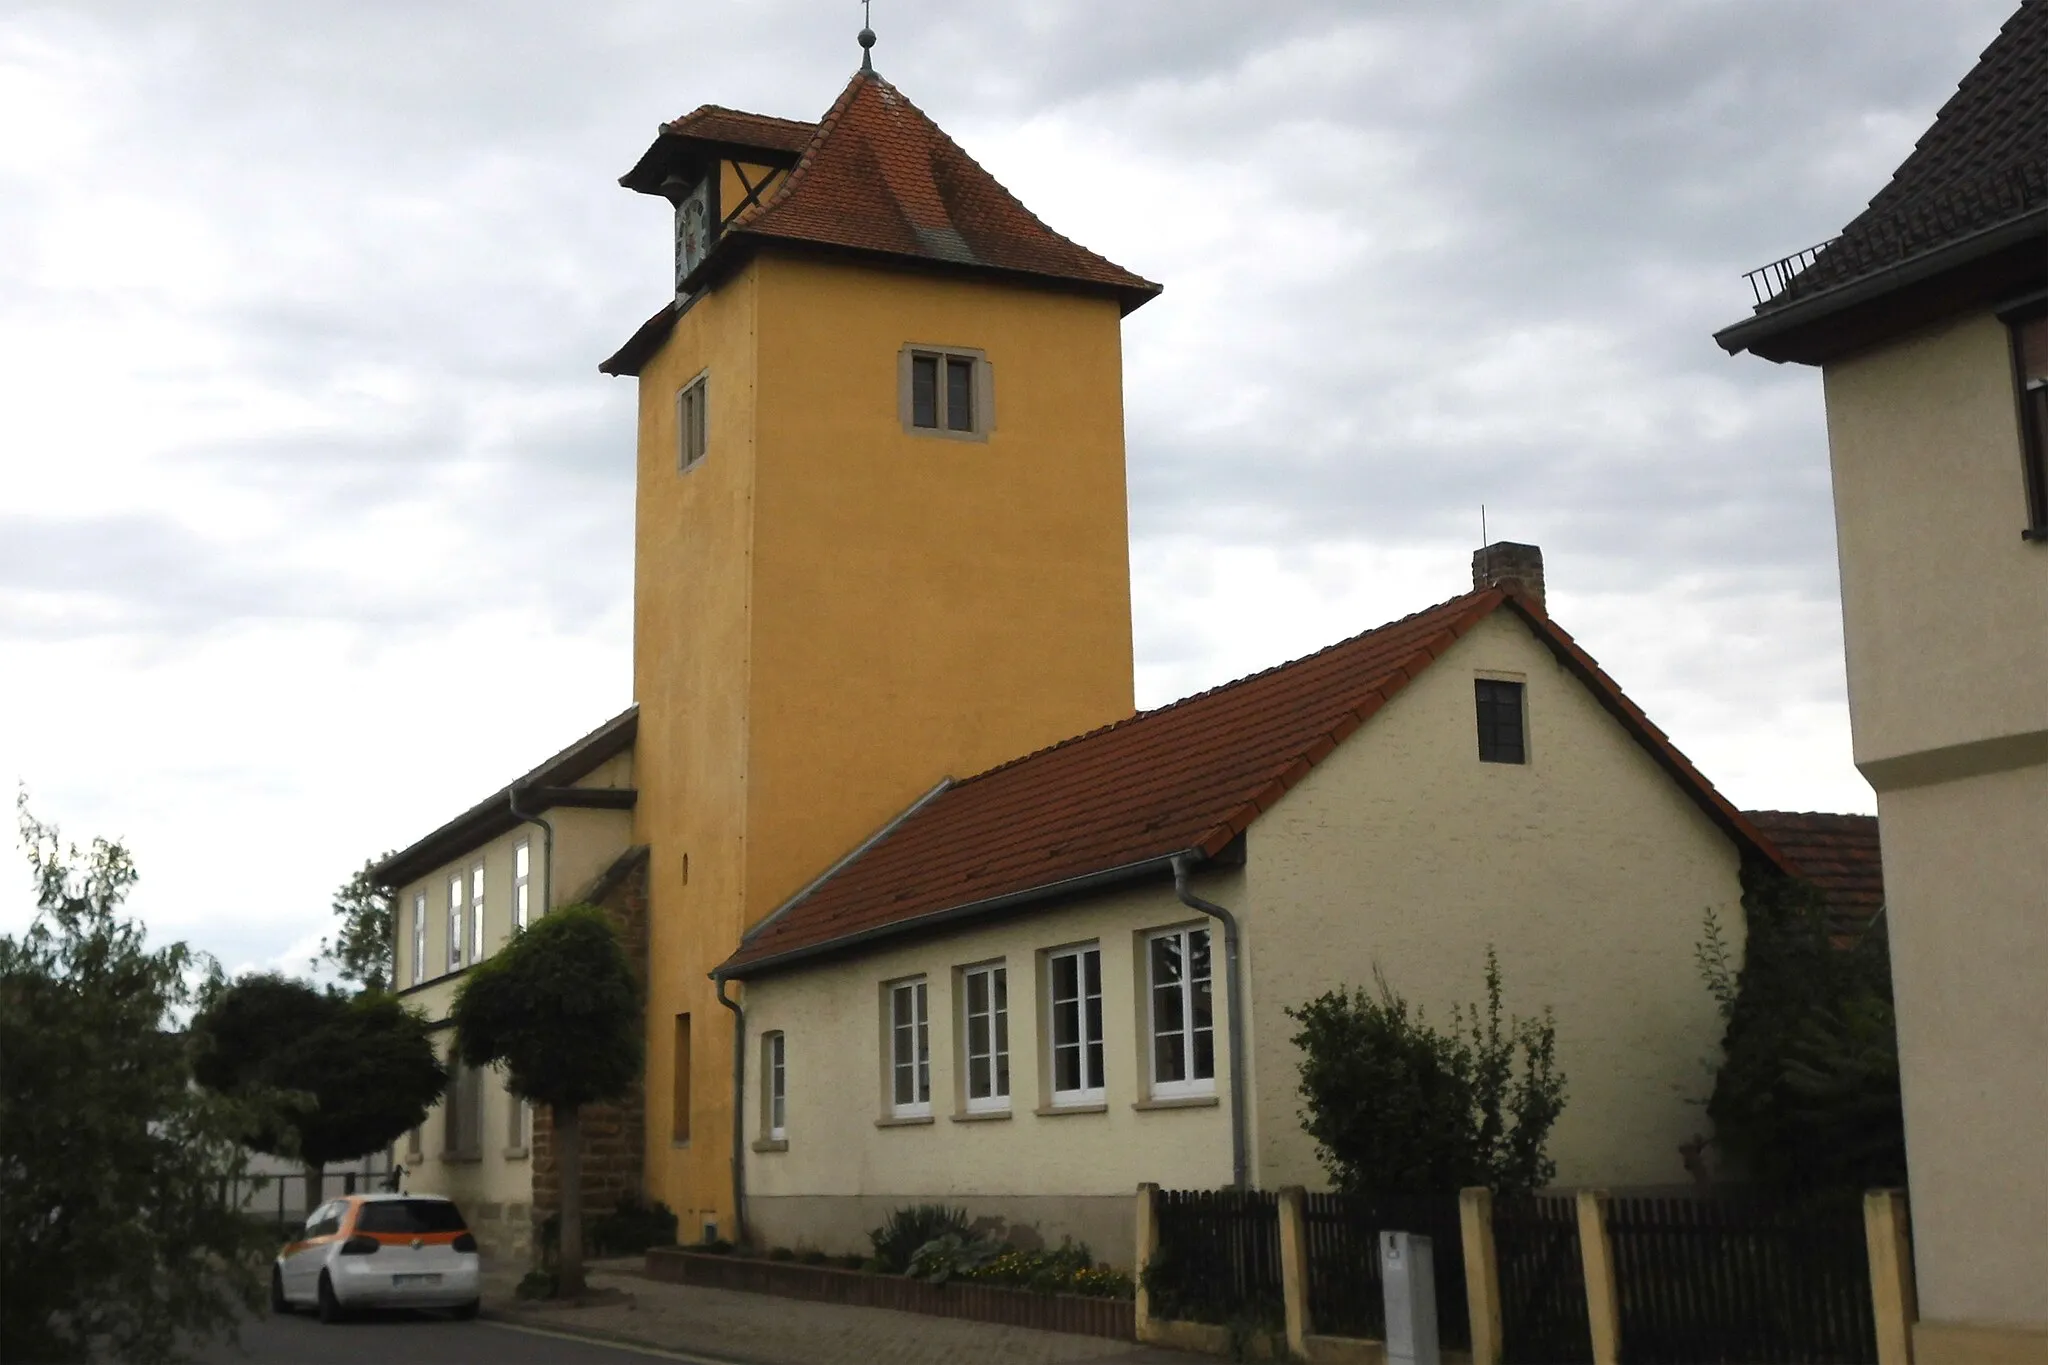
[(1148, 1243), (1482, 1273), (1603, 1305), (1894, 1297), (1294, 1266)]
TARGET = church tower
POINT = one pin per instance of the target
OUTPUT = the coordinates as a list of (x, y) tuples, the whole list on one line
[(881, 532)]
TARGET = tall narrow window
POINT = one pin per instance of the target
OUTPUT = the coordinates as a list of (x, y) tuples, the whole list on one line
[(476, 912), (910, 1052), (924, 391), (1075, 988), (1183, 1014), (775, 1086), (522, 882), (413, 1142), (419, 937), (959, 393), (464, 1113), (985, 998), (681, 1129), (518, 1121), (455, 939), (1500, 721), (693, 422), (945, 392), (2030, 363)]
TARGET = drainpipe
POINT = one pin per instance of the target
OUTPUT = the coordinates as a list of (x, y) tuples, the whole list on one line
[(547, 865), (1240, 1163), (739, 1112)]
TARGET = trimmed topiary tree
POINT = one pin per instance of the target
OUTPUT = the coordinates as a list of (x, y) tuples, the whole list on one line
[(558, 1007)]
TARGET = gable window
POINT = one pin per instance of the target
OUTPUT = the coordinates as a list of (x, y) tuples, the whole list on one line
[(419, 936), (946, 391), (693, 429), (522, 882), (2030, 366), (774, 1087), (1074, 988), (985, 998), (455, 921), (1500, 721), (476, 913), (910, 1051), (1182, 1012)]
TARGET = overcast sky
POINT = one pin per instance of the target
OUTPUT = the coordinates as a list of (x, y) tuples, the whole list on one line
[(315, 514)]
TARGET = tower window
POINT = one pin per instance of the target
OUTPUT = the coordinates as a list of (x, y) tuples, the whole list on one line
[(693, 427), (1500, 721), (946, 392)]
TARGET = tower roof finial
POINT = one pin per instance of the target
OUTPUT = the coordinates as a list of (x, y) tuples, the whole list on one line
[(867, 36)]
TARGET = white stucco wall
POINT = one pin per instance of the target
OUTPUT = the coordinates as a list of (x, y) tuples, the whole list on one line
[(1588, 869)]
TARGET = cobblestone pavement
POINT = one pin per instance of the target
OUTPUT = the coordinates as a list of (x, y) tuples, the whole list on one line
[(761, 1329)]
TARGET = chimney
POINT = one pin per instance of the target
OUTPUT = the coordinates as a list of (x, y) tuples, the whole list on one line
[(1517, 568)]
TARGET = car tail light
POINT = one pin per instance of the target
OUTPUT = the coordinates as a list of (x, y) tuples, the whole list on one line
[(360, 1246), (466, 1242)]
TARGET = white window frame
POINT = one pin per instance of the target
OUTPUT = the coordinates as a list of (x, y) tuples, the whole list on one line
[(981, 385), (910, 1048), (456, 883), (994, 1051), (476, 911), (693, 422), (519, 1128), (775, 1084), (522, 883), (419, 937), (1190, 1085), (1091, 1046)]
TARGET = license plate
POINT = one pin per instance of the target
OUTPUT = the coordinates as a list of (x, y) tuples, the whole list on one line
[(415, 1279)]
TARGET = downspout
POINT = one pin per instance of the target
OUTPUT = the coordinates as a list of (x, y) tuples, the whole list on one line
[(547, 865), (739, 1112), (1240, 1161)]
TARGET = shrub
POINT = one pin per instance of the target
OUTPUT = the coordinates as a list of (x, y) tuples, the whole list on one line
[(950, 1254), (1069, 1268), (781, 1254), (908, 1229), (812, 1257)]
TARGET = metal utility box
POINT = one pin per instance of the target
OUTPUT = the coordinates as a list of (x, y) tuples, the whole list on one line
[(1408, 1276)]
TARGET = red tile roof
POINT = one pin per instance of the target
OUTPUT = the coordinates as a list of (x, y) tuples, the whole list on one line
[(736, 127), (1189, 777), (1838, 854)]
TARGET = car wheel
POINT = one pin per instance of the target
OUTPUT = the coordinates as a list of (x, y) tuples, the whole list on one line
[(466, 1311), (278, 1302), (330, 1307)]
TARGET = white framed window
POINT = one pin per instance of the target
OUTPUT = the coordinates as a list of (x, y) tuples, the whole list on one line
[(946, 391), (419, 937), (522, 882), (985, 1026), (693, 421), (775, 1086), (910, 1051), (519, 1121), (1074, 997), (1182, 1012), (476, 912), (455, 939)]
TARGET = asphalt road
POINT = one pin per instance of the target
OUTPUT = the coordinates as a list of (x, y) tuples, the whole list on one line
[(419, 1339)]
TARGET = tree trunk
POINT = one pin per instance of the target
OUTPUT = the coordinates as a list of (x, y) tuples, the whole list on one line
[(569, 1178)]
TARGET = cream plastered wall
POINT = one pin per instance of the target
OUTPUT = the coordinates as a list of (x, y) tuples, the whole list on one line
[(833, 614), (1944, 607), (1036, 1166), (1966, 891), (1587, 869)]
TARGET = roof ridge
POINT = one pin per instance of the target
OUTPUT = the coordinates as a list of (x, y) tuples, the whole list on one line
[(736, 113), (1221, 687)]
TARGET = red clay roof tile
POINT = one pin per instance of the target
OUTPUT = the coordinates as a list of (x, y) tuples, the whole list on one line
[(1839, 854)]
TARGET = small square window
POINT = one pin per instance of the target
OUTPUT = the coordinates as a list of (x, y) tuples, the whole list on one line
[(946, 392), (693, 430), (1500, 721), (2030, 375)]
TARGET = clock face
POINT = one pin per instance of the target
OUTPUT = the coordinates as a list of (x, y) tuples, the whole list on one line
[(693, 231)]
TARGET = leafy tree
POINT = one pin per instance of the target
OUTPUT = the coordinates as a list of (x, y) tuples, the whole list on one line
[(361, 1071), (559, 1008), (115, 1237), (1395, 1106), (1807, 1095), (361, 951)]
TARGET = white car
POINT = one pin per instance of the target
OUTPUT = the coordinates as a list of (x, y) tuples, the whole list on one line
[(378, 1251)]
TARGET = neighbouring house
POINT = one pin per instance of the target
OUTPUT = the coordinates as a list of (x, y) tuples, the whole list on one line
[(1839, 855), (1928, 317), (1022, 992), (559, 834)]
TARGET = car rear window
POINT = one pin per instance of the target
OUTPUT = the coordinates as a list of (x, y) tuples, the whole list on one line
[(409, 1215)]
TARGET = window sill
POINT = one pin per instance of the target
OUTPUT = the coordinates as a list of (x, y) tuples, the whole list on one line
[(451, 1159), (980, 1115), (679, 1144), (2038, 534), (515, 1154), (1060, 1111), (905, 1121), (771, 1145), (1179, 1102)]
